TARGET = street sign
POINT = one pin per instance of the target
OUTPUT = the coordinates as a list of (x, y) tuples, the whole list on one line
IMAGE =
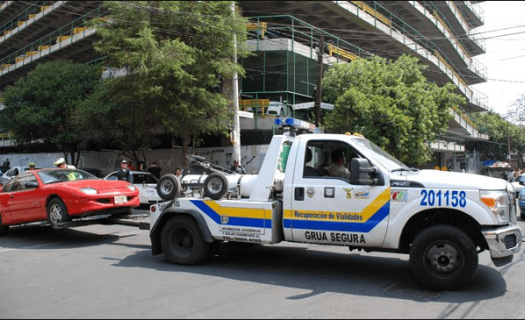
[(309, 105), (245, 114)]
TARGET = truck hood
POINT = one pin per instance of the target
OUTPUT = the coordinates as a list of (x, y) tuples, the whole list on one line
[(446, 179)]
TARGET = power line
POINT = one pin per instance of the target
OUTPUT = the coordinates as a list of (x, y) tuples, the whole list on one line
[(510, 81), (361, 35)]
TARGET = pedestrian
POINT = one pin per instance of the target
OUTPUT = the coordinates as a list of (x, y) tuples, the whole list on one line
[(62, 164), (124, 173), (131, 166), (32, 165), (142, 166), (6, 163), (154, 169), (178, 173), (237, 168)]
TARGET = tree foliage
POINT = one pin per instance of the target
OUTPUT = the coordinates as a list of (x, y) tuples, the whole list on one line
[(178, 53), (107, 118), (516, 112), (502, 134), (390, 103), (41, 106)]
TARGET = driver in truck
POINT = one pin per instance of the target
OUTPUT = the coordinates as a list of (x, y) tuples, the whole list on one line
[(337, 167)]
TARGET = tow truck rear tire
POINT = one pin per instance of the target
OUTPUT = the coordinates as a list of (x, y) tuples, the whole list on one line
[(57, 213), (183, 243), (168, 187), (4, 230), (443, 258), (216, 186)]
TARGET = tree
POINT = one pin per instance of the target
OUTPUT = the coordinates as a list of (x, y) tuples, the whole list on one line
[(107, 118), (40, 107), (500, 132), (178, 54), (516, 113), (390, 103)]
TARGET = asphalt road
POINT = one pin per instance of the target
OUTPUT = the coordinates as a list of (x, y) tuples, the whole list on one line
[(107, 271)]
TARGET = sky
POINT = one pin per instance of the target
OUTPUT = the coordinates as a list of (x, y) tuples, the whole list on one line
[(504, 33)]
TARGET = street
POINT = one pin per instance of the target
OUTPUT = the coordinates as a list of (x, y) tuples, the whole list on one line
[(107, 271)]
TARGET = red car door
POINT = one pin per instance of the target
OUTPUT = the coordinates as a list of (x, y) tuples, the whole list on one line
[(23, 202)]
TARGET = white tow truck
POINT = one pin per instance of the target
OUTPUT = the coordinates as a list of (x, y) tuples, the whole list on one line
[(443, 220)]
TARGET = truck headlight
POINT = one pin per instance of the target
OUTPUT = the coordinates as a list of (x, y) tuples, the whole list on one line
[(498, 203)]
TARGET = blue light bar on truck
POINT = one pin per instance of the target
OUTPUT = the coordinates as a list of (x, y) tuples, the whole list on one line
[(295, 123)]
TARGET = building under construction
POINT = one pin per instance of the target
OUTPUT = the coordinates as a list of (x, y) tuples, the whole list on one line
[(282, 76)]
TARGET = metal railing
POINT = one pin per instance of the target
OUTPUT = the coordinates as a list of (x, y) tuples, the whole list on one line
[(39, 47)]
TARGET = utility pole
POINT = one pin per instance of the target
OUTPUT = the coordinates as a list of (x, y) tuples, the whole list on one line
[(236, 134), (320, 53)]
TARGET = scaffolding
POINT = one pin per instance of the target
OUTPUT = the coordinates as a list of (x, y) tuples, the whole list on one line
[(284, 65)]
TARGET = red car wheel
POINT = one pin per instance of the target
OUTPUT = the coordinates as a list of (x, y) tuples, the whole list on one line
[(56, 213)]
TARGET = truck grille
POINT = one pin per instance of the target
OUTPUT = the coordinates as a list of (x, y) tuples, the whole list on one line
[(510, 241)]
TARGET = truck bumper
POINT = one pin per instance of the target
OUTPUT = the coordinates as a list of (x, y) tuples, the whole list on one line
[(503, 243)]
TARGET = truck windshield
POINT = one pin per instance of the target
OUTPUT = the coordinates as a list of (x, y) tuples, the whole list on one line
[(386, 159)]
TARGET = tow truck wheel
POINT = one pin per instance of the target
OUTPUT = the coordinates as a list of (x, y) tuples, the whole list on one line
[(4, 230), (168, 187), (443, 257), (215, 186), (183, 243), (56, 213)]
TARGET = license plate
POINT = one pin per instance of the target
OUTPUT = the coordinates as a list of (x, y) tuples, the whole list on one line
[(120, 199)]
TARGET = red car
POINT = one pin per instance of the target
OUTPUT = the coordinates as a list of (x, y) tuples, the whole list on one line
[(60, 195)]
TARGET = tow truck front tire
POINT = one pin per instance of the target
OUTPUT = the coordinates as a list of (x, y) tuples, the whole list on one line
[(4, 230), (443, 257), (183, 243)]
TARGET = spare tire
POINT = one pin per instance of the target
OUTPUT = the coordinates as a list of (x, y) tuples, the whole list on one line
[(168, 187), (216, 186)]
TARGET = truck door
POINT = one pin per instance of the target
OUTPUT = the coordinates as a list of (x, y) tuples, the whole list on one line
[(328, 209)]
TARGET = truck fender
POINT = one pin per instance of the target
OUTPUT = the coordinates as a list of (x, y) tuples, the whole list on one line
[(165, 216), (474, 210)]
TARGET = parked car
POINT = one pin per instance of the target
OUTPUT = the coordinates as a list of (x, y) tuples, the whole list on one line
[(61, 195), (11, 173), (518, 183), (94, 171), (521, 204), (145, 182)]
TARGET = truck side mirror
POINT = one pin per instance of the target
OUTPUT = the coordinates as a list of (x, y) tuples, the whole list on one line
[(362, 173)]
